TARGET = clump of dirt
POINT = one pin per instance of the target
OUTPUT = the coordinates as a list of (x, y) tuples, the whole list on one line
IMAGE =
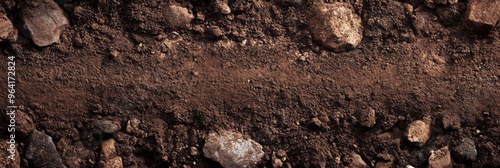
[(257, 70)]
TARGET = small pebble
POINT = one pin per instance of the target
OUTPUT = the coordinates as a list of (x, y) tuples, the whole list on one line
[(440, 158), (466, 149), (418, 132)]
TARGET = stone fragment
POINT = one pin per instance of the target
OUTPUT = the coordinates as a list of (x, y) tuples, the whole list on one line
[(418, 132), (178, 17), (232, 150), (433, 3), (355, 160), (108, 127), (482, 14), (7, 30), (44, 21), (25, 124), (466, 149), (336, 26), (440, 158), (41, 151), (367, 117), (9, 154), (222, 6), (108, 157)]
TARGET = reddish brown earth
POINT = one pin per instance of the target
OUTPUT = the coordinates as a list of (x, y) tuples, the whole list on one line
[(260, 74)]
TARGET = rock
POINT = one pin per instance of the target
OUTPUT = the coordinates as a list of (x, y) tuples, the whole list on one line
[(115, 162), (178, 17), (194, 151), (384, 165), (451, 121), (356, 161), (440, 158), (277, 163), (367, 117), (424, 21), (133, 127), (222, 6), (108, 127), (43, 21), (9, 160), (281, 153), (418, 132), (7, 30), (482, 14), (108, 156), (433, 3), (41, 151), (336, 26), (25, 124), (231, 150), (466, 149)]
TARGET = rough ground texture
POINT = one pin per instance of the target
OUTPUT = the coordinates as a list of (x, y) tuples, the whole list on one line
[(258, 71)]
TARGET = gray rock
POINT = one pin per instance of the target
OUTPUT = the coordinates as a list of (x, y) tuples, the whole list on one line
[(232, 150), (482, 14), (466, 149), (108, 127), (440, 158), (7, 30), (336, 26), (44, 21), (41, 151)]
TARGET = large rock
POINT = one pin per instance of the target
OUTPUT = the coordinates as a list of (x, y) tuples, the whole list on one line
[(7, 31), (418, 132), (336, 26), (44, 21), (232, 150), (440, 158), (482, 14), (41, 151)]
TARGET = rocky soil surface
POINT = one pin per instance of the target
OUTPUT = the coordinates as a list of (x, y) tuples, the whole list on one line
[(251, 83)]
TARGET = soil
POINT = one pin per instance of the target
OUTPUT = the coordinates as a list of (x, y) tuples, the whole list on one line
[(259, 72)]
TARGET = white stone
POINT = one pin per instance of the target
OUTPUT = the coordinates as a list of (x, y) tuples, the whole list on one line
[(232, 150)]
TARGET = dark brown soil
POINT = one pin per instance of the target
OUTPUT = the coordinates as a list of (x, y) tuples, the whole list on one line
[(257, 71)]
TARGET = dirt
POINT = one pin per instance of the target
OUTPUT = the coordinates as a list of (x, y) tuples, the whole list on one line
[(258, 71)]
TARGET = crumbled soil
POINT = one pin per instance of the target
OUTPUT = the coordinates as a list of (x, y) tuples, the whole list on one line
[(258, 71)]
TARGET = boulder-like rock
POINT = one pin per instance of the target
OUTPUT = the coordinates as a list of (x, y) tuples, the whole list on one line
[(178, 17), (418, 132), (44, 21), (336, 25), (440, 158), (232, 150), (7, 30), (466, 149), (41, 151), (482, 14)]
